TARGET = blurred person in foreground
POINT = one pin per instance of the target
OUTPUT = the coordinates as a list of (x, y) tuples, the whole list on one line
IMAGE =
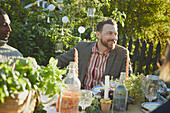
[(97, 59), (165, 76), (6, 52)]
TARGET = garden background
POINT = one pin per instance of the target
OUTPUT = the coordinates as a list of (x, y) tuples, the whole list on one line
[(144, 19)]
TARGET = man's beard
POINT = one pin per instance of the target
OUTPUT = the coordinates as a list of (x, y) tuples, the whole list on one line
[(107, 45)]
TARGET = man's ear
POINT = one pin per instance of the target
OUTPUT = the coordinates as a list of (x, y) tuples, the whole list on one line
[(98, 34)]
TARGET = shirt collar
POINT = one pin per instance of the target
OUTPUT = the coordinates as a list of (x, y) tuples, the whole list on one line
[(95, 50), (3, 42)]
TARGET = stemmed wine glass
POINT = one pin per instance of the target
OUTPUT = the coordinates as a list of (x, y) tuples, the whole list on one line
[(85, 99), (151, 90)]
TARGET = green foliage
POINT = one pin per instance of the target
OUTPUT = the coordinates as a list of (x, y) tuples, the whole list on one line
[(140, 19), (4, 80), (29, 75), (32, 35), (51, 78), (95, 107), (135, 85), (145, 19)]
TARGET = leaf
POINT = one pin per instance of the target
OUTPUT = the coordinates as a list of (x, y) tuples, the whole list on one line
[(3, 76), (9, 80), (50, 87), (124, 14), (20, 64), (61, 72), (28, 85), (6, 90), (2, 95), (21, 81), (35, 87), (53, 62), (31, 78)]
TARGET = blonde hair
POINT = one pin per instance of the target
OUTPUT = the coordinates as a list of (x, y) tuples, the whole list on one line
[(165, 68)]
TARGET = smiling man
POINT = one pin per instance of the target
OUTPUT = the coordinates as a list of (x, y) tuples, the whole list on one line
[(6, 52), (97, 59)]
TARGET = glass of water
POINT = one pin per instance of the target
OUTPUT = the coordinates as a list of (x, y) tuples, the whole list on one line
[(151, 90), (85, 99)]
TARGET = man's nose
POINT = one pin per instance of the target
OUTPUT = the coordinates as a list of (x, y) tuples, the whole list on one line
[(8, 28), (115, 37)]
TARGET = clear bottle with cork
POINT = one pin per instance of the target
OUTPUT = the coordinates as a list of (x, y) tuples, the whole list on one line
[(120, 96), (69, 102)]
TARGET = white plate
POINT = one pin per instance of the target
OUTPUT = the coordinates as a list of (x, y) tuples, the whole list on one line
[(168, 89), (96, 89), (151, 105)]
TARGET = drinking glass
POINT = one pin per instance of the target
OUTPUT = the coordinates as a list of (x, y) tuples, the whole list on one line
[(162, 87), (151, 90), (85, 99)]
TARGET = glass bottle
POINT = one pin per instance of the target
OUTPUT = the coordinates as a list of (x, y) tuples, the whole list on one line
[(120, 96), (69, 102)]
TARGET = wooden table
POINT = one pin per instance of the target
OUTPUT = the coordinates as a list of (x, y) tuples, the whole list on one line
[(134, 108)]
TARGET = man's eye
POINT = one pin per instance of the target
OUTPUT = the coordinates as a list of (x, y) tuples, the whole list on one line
[(110, 33), (4, 24)]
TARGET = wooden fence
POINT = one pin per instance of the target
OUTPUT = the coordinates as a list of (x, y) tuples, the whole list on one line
[(143, 59)]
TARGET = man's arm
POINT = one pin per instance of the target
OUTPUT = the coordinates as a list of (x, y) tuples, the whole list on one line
[(64, 59)]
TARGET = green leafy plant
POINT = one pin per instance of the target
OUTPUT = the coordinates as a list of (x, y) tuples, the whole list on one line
[(95, 107), (135, 85), (51, 82), (29, 75)]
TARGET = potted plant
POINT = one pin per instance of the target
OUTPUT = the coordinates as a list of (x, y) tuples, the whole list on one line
[(135, 85), (21, 82)]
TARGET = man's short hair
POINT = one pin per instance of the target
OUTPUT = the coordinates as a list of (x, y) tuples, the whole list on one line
[(2, 12), (103, 22)]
